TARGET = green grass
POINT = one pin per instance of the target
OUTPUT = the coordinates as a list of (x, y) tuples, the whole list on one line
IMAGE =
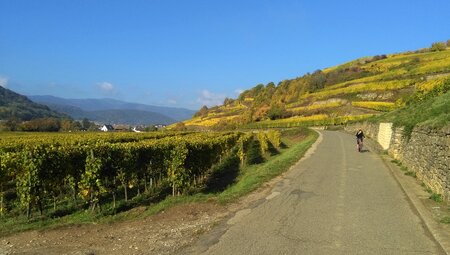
[(250, 178), (396, 161), (411, 173), (445, 220), (436, 197), (429, 109), (255, 175)]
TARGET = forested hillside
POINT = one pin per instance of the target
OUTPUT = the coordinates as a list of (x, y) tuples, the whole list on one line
[(352, 91), (16, 106)]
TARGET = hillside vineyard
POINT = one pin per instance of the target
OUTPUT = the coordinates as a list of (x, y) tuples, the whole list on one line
[(352, 91)]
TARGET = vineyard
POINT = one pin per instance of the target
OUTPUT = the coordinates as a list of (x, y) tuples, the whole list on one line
[(58, 174), (369, 85), (314, 120), (380, 106)]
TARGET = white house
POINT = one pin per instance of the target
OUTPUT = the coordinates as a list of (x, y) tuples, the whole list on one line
[(106, 128)]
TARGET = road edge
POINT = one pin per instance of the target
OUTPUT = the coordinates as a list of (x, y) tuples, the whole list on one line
[(255, 198), (427, 218), (440, 237)]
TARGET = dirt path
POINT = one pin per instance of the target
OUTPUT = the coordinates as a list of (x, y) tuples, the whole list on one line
[(160, 234)]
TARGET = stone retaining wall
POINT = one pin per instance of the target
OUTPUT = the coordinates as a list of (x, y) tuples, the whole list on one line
[(427, 152)]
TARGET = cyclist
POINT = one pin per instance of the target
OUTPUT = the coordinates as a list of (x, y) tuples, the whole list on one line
[(359, 139)]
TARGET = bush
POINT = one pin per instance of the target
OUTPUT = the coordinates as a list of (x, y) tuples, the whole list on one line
[(276, 112), (438, 46), (436, 197), (180, 126)]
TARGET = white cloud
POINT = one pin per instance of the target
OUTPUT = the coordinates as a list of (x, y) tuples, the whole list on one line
[(106, 86), (210, 99), (3, 82), (172, 101)]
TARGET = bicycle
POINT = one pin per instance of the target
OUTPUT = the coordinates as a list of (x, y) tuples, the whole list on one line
[(359, 144)]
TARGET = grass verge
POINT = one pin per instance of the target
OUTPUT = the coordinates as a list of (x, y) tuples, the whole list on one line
[(254, 176), (445, 220)]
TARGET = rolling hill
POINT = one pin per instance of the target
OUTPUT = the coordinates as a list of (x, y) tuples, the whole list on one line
[(349, 92), (16, 106), (115, 111)]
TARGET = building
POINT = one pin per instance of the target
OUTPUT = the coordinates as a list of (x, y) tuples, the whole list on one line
[(107, 128), (159, 126), (136, 130)]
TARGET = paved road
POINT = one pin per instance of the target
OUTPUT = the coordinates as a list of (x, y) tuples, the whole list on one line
[(337, 201)]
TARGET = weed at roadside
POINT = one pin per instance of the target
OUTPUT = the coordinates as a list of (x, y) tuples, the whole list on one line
[(411, 173), (445, 220), (436, 197)]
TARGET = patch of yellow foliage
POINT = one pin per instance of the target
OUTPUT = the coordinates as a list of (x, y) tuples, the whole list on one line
[(208, 122), (432, 83), (364, 87), (314, 120), (380, 106), (316, 106)]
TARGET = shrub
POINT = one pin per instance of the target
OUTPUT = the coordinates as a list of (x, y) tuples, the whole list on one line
[(180, 126), (438, 46), (436, 197)]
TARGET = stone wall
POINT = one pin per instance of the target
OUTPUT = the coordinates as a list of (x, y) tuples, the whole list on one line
[(427, 152), (385, 135), (370, 130)]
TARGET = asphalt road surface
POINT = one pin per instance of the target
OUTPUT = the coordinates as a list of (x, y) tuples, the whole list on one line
[(336, 201)]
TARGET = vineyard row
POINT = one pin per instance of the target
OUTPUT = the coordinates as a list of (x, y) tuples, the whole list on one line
[(37, 173)]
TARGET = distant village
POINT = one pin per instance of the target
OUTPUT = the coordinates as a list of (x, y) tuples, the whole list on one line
[(129, 128)]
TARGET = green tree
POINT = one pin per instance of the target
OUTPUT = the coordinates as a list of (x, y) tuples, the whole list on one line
[(276, 111), (12, 124), (180, 126), (86, 124), (438, 46), (42, 125), (227, 101), (202, 112), (151, 129), (317, 80)]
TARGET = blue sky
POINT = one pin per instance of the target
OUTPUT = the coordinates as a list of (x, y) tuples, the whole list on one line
[(186, 53)]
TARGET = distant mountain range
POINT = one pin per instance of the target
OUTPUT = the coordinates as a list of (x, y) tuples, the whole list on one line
[(16, 106), (114, 111)]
